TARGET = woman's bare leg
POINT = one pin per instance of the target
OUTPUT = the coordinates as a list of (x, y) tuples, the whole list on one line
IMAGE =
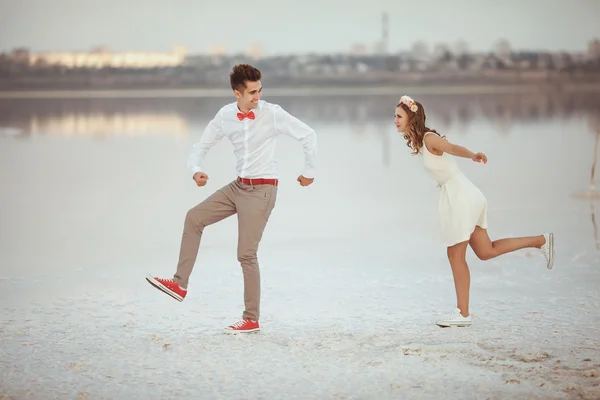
[(462, 277), (485, 249)]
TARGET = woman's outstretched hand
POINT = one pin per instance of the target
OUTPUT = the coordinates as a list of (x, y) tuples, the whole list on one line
[(479, 157)]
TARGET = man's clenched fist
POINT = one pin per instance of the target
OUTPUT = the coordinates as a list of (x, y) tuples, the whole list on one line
[(305, 181), (200, 178)]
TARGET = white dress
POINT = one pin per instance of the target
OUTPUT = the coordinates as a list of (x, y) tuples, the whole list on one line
[(461, 205)]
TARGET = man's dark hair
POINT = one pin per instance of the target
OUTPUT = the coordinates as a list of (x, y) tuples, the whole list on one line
[(242, 73)]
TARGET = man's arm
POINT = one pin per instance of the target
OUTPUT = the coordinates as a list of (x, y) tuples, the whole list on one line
[(210, 137), (290, 125)]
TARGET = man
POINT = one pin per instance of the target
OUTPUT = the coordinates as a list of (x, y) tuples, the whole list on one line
[(252, 126)]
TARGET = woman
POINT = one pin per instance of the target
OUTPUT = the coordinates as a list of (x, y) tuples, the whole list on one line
[(462, 207)]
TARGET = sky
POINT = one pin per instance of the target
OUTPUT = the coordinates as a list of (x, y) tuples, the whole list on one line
[(285, 27)]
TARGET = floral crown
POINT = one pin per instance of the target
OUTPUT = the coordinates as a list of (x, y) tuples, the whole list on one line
[(410, 103)]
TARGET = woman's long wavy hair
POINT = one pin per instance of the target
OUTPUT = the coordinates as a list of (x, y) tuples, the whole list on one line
[(416, 127)]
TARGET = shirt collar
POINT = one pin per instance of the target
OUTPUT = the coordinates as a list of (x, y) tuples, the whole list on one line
[(255, 110)]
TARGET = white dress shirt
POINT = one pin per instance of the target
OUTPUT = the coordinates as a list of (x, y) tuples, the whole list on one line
[(254, 140)]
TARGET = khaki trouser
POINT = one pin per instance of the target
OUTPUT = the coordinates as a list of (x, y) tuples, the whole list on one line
[(253, 205)]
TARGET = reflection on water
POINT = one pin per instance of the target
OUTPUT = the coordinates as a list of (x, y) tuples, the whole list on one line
[(529, 161), (174, 116), (73, 118), (100, 124), (594, 225), (592, 194)]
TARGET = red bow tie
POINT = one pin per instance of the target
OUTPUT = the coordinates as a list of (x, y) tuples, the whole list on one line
[(241, 116)]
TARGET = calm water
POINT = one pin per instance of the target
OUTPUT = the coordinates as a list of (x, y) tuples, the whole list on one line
[(99, 187)]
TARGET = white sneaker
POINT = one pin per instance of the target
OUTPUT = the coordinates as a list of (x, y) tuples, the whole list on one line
[(454, 319), (547, 249)]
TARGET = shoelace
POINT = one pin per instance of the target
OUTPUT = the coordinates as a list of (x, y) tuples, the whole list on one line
[(455, 315), (165, 280), (239, 324), (544, 251), (450, 316)]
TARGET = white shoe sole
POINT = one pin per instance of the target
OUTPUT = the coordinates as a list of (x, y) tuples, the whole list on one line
[(454, 324), (234, 332), (163, 288), (550, 250)]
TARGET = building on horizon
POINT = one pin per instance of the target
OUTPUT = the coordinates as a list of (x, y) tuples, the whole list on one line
[(101, 57)]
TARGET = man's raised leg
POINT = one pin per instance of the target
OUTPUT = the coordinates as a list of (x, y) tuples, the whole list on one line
[(215, 208)]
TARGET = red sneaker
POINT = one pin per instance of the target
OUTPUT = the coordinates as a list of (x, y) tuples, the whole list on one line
[(244, 326), (168, 286)]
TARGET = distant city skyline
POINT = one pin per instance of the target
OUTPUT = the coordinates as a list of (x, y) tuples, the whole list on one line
[(281, 27)]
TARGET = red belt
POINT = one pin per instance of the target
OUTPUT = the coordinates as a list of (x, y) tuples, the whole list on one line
[(258, 181)]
